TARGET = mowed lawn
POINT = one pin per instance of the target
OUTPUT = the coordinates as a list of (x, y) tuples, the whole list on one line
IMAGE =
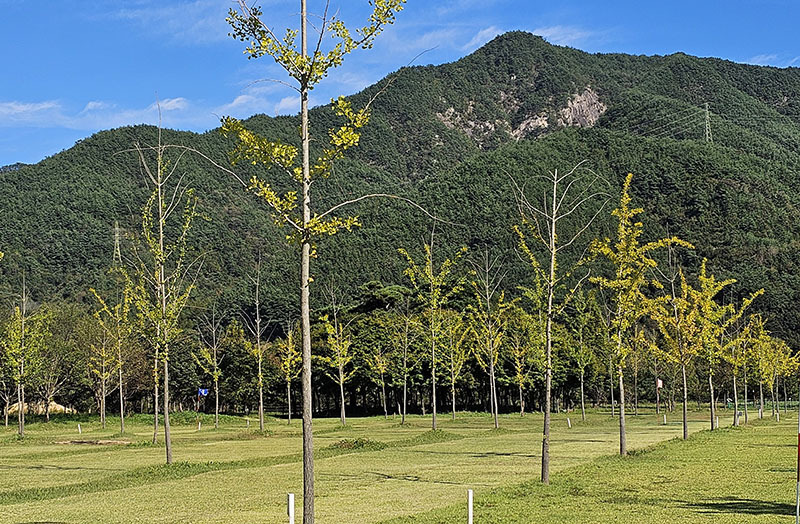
[(376, 470)]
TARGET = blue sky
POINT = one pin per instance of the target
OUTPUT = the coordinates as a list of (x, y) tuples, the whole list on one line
[(74, 67)]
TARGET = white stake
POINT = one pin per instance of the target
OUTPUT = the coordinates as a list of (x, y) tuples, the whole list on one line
[(716, 424), (290, 508), (248, 423), (665, 420), (79, 429), (569, 424), (198, 425), (469, 506), (797, 493)]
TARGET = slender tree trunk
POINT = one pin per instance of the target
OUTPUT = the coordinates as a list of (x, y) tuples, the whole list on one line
[(121, 397), (760, 399), (493, 393), (735, 403), (453, 397), (658, 390), (583, 407), (155, 406), (167, 436), (5, 411), (383, 397), (713, 404), (521, 402), (21, 409), (47, 409), (305, 306), (405, 398), (623, 443), (635, 392), (611, 383), (216, 402), (289, 400), (433, 371), (341, 399), (685, 401), (103, 401), (548, 382), (745, 395), (260, 391)]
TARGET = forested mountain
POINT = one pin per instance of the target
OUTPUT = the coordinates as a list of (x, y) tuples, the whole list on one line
[(455, 138)]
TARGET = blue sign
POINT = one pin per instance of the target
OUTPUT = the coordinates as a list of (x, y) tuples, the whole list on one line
[(202, 392)]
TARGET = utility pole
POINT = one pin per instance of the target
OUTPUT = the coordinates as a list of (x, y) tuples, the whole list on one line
[(709, 138)]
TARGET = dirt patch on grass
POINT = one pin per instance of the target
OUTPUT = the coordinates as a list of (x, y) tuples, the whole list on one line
[(95, 442)]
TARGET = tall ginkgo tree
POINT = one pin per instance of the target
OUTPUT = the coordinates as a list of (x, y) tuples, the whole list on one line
[(552, 226), (293, 208), (164, 272), (714, 320), (633, 264), (434, 286)]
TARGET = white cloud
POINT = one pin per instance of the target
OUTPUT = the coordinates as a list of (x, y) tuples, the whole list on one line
[(96, 105), (481, 37), (288, 105), (765, 59), (170, 104), (25, 109), (186, 22), (564, 34)]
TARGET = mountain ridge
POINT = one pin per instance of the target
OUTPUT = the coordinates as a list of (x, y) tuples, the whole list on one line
[(515, 106)]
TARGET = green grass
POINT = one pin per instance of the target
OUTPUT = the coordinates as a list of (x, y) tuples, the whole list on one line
[(376, 470)]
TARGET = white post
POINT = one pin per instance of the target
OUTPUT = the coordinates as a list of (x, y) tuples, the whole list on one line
[(797, 492), (290, 508), (248, 423), (716, 423), (569, 424), (79, 429), (198, 425), (665, 420), (469, 506)]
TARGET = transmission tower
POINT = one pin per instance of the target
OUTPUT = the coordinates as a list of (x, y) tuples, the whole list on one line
[(117, 261), (709, 138)]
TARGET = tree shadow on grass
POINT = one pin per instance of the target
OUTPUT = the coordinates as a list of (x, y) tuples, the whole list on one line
[(740, 506)]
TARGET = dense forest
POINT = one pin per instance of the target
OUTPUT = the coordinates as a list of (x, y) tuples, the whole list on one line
[(711, 144)]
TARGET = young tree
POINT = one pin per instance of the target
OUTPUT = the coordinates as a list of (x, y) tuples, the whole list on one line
[(209, 357), (25, 336), (583, 320), (735, 352), (565, 194), (307, 70), (164, 278), (257, 330), (377, 356), (434, 288), (405, 334), (714, 320), (525, 338), (289, 361), (488, 321), (456, 333), (632, 264), (101, 364), (340, 360), (115, 322), (61, 362)]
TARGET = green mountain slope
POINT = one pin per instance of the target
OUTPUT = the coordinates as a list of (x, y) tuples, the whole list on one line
[(452, 137)]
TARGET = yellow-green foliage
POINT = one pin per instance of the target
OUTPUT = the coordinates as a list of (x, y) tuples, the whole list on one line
[(632, 265)]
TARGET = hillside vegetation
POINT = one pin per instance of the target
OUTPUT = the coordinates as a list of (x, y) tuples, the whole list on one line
[(453, 137)]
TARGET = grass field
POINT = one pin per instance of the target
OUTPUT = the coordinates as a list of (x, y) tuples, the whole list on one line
[(375, 470)]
